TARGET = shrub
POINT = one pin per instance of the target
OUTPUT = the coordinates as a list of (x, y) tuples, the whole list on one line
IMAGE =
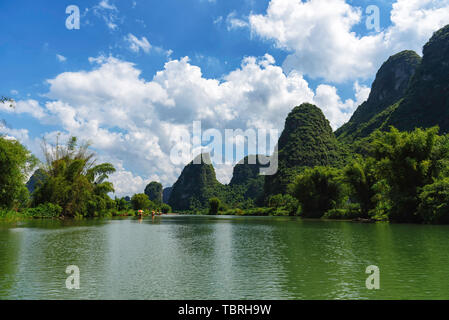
[(46, 210), (318, 190), (140, 201), (165, 208), (434, 202), (408, 161), (285, 203), (348, 213)]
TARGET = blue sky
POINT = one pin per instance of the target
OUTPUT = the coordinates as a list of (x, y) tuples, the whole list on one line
[(179, 59), (34, 32)]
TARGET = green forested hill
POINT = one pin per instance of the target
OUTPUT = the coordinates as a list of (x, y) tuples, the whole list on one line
[(426, 102), (244, 171), (246, 176), (195, 186), (307, 141), (154, 191), (408, 93)]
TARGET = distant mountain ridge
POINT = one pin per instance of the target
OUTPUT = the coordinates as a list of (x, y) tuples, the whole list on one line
[(408, 92)]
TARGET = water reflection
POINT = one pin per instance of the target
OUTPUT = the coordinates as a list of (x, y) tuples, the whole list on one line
[(197, 257)]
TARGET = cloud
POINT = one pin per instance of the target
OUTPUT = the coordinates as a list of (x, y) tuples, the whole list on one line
[(132, 121), (136, 45), (61, 58), (337, 111), (108, 12), (234, 23), (321, 41), (106, 5), (126, 183), (30, 107)]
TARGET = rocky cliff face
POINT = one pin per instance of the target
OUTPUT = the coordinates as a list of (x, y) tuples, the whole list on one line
[(390, 85), (166, 194), (306, 141)]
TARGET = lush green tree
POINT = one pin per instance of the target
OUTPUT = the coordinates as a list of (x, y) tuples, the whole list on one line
[(15, 164), (165, 208), (434, 202), (361, 177), (408, 161), (214, 205), (318, 190), (284, 202), (73, 180), (154, 192), (121, 204), (140, 201)]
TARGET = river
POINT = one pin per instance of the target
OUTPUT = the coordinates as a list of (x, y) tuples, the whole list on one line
[(208, 257)]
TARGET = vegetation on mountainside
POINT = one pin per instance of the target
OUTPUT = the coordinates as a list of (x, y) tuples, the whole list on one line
[(307, 141), (408, 93), (389, 86), (246, 176), (195, 186), (402, 178), (426, 102)]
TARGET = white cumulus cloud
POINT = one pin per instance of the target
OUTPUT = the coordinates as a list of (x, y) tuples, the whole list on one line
[(320, 37), (131, 121), (136, 44)]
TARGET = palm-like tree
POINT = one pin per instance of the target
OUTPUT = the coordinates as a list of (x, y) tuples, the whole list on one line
[(73, 179)]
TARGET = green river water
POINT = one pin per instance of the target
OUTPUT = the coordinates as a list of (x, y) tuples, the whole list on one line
[(204, 257)]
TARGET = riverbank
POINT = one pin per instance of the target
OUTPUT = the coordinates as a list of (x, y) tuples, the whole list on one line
[(32, 213)]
